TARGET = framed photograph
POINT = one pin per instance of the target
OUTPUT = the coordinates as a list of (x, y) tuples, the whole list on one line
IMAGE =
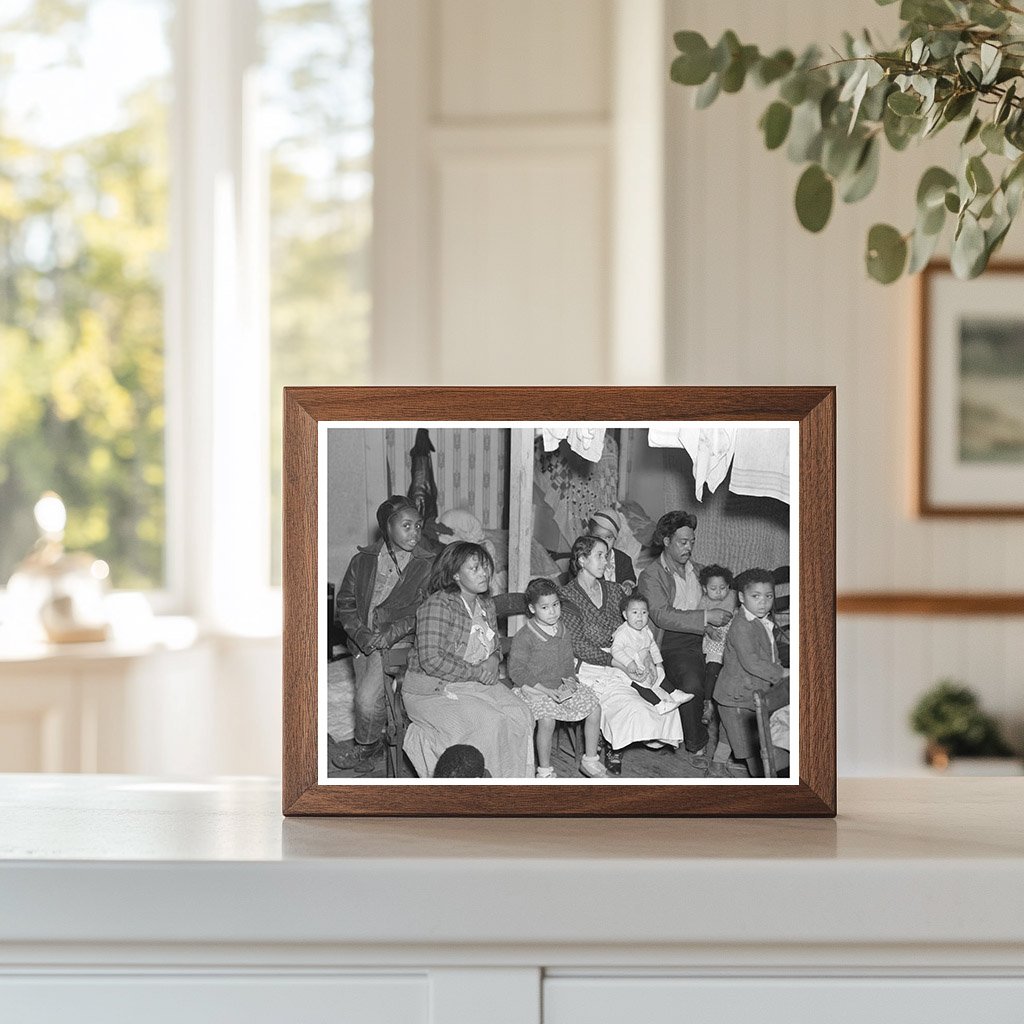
[(559, 601), (970, 451)]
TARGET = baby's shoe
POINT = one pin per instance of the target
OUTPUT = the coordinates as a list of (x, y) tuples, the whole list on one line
[(665, 706), (546, 773), (592, 767)]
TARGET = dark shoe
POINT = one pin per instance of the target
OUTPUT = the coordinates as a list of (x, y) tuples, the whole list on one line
[(613, 761), (359, 755)]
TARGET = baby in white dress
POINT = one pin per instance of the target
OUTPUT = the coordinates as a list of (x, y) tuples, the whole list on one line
[(634, 651)]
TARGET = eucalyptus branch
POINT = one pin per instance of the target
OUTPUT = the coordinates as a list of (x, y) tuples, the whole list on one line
[(834, 116)]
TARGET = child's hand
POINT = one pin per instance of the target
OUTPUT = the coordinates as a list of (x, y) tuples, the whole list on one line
[(635, 672)]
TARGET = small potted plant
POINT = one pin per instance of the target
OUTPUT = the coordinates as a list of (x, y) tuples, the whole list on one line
[(950, 717)]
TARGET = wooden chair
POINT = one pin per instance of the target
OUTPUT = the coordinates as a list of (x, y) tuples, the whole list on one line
[(765, 702), (395, 662), (335, 633)]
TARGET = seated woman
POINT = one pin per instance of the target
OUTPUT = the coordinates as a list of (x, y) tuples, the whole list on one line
[(376, 604), (452, 692), (591, 615)]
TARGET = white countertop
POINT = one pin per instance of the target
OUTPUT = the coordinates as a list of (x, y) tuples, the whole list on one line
[(124, 859)]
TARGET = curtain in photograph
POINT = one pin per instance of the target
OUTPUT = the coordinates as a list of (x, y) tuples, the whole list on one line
[(734, 530), (470, 468), (574, 487)]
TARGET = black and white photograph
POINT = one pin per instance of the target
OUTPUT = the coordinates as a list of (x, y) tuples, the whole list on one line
[(585, 603)]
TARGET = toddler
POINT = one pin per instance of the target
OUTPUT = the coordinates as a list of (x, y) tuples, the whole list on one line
[(636, 653), (750, 662), (542, 668), (716, 583)]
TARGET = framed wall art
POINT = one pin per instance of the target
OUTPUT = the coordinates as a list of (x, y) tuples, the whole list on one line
[(970, 445), (559, 601)]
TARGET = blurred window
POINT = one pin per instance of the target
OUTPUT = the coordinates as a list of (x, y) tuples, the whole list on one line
[(83, 240), (317, 127)]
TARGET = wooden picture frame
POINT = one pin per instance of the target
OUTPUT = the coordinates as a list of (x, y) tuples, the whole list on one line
[(969, 448), (809, 415)]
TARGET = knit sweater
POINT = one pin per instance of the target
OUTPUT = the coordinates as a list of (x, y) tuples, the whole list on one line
[(537, 659), (591, 628)]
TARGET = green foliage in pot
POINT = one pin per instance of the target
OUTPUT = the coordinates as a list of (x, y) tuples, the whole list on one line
[(949, 715), (957, 61)]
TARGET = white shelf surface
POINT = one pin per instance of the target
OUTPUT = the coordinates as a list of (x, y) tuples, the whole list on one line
[(936, 863)]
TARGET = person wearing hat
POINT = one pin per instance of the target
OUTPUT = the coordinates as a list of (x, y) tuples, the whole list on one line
[(606, 524), (376, 605)]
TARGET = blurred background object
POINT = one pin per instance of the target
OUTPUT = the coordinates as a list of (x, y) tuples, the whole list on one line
[(56, 594)]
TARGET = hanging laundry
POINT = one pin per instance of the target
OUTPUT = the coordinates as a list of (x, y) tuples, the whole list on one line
[(760, 464), (710, 449), (585, 441)]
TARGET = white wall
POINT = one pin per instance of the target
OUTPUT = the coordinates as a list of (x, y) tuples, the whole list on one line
[(755, 299)]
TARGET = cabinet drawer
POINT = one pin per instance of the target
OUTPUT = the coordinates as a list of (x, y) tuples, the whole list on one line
[(202, 999), (569, 1000)]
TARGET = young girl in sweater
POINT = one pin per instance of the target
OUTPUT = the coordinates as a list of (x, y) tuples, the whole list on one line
[(542, 668)]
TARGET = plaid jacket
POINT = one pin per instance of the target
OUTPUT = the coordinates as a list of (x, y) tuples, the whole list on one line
[(442, 633)]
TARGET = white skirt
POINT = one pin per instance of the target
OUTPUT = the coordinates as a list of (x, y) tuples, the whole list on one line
[(625, 716)]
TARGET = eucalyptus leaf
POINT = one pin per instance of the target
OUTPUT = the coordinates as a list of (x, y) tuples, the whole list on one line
[(991, 60), (958, 105), (724, 51), (903, 103), (814, 194), (900, 130), (931, 190), (973, 129), (840, 152), (932, 221), (993, 138), (865, 174), (873, 106), (794, 88), (886, 253), (775, 124), (987, 15), (805, 133), (708, 92), (735, 74), (952, 202), (978, 176), (1004, 106), (968, 247), (771, 69), (922, 248)]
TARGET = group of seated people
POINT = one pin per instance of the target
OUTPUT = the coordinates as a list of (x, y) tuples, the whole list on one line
[(660, 660)]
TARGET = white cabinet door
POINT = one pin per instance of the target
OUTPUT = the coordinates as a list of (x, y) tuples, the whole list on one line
[(570, 1000), (202, 999)]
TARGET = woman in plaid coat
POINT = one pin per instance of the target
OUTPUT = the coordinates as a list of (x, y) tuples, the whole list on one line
[(452, 692)]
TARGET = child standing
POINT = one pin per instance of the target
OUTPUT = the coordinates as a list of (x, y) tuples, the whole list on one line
[(750, 662), (542, 668), (634, 648), (716, 583)]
